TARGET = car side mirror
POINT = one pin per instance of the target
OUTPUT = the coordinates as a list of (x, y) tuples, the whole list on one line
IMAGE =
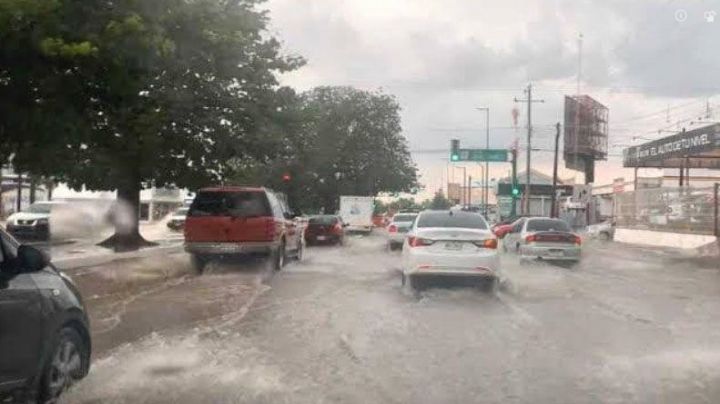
[(31, 259)]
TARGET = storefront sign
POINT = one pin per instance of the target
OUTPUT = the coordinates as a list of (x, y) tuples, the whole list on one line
[(684, 144)]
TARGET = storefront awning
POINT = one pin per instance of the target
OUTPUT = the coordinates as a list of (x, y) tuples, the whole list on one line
[(697, 148)]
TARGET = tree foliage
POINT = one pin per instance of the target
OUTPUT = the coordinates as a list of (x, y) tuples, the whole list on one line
[(130, 94), (340, 141), (439, 202)]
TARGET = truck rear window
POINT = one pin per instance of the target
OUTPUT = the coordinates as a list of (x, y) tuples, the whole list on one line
[(239, 204)]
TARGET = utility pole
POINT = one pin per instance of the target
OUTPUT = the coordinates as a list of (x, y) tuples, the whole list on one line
[(529, 100), (513, 200), (469, 191), (553, 207), (18, 202)]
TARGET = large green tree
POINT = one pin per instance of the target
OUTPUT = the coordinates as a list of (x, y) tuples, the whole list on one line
[(340, 141), (148, 93)]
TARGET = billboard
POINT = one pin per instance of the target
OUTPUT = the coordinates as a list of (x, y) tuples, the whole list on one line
[(585, 137), (697, 148)]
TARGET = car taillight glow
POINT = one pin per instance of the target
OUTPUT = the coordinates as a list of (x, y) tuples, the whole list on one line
[(419, 242), (531, 238), (489, 243), (392, 228), (578, 240)]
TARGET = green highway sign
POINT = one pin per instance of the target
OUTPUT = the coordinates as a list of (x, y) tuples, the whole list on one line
[(480, 155)]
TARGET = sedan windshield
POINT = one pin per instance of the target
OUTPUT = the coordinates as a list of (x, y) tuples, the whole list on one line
[(404, 218), (547, 225), (40, 208), (452, 219)]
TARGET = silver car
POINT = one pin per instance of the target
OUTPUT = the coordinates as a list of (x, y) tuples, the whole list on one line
[(398, 228), (543, 238)]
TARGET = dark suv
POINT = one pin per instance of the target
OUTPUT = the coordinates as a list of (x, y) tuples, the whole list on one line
[(227, 221), (44, 330)]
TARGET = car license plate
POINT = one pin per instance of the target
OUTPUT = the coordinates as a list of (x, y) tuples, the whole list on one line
[(321, 238), (556, 253), (453, 245)]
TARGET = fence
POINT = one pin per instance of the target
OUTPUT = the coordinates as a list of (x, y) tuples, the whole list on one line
[(678, 210)]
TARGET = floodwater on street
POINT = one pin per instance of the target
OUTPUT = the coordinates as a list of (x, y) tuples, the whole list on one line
[(627, 325)]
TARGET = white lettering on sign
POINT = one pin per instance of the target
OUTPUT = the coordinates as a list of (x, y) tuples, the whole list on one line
[(673, 146)]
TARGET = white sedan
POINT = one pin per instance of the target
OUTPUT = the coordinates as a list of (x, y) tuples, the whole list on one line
[(543, 238), (450, 243)]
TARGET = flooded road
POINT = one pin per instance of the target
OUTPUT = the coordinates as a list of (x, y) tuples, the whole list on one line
[(627, 325)]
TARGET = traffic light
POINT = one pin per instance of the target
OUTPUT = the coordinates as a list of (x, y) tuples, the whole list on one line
[(515, 191), (454, 150), (286, 177)]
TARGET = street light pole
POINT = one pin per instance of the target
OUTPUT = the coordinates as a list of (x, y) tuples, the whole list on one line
[(485, 191)]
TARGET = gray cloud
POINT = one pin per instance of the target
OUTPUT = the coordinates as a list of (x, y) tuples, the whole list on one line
[(443, 58)]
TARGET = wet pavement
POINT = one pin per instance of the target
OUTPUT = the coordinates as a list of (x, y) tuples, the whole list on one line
[(627, 325)]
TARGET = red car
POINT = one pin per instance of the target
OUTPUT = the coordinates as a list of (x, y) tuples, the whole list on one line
[(227, 221), (504, 227), (325, 229)]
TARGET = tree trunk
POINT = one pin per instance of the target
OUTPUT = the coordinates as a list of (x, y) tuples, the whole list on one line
[(126, 219)]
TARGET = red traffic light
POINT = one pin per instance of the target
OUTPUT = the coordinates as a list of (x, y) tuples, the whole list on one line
[(286, 177)]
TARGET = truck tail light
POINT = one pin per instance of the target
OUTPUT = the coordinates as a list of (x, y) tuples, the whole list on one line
[(270, 229), (392, 228), (419, 242)]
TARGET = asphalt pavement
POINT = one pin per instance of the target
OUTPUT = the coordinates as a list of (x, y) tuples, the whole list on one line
[(627, 325)]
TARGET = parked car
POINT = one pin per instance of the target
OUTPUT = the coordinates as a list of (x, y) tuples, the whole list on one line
[(177, 219), (34, 222), (227, 221), (604, 231), (450, 243), (45, 341), (325, 229), (397, 228), (543, 238)]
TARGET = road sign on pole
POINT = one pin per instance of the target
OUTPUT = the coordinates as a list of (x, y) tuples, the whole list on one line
[(491, 155)]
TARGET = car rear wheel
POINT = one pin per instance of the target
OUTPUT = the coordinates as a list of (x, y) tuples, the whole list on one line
[(300, 253), (66, 365), (279, 257), (198, 262)]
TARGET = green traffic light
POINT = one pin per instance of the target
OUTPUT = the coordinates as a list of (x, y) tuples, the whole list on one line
[(454, 157), (515, 192)]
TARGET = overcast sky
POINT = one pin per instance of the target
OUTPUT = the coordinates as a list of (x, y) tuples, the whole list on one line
[(444, 58)]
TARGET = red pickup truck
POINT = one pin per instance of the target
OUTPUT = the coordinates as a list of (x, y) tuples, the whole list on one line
[(226, 221)]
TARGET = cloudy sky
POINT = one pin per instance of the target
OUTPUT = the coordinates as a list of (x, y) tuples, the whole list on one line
[(653, 63)]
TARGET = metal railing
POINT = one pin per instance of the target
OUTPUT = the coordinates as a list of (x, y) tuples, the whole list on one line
[(678, 210)]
